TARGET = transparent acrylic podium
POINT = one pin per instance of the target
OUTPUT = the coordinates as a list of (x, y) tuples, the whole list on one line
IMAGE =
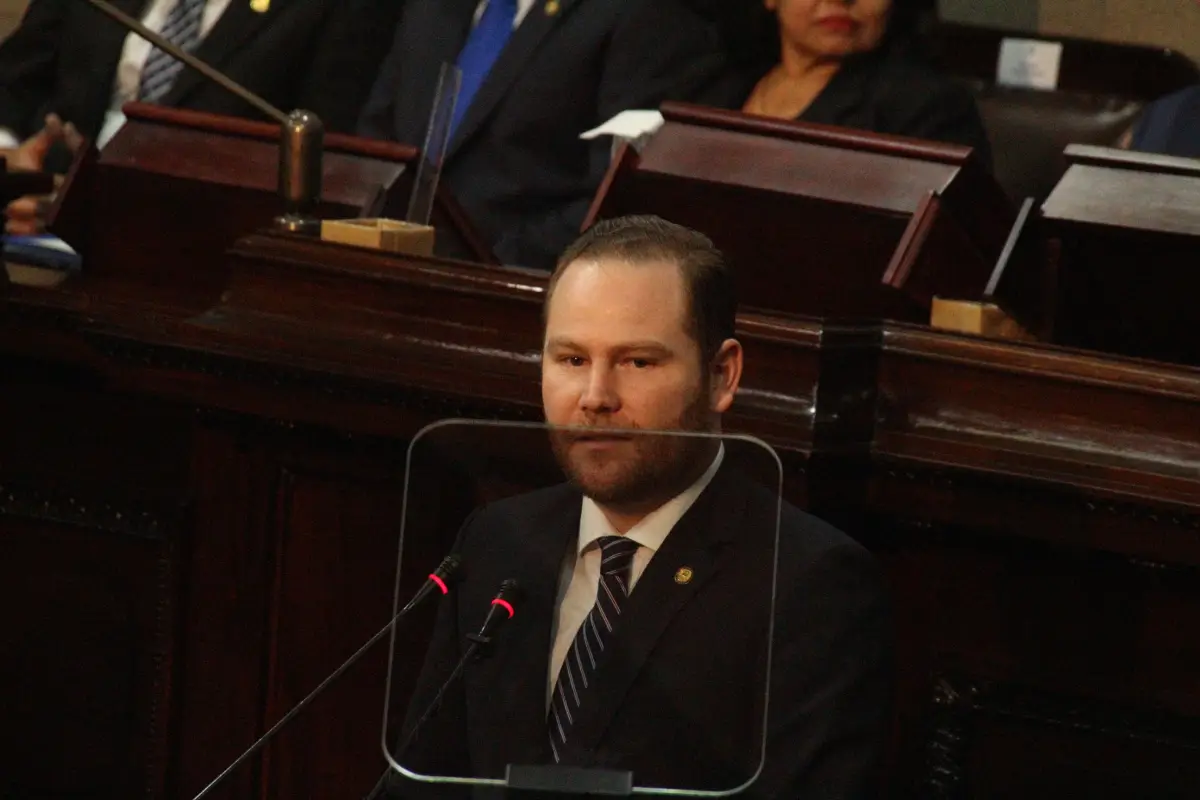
[(533, 687)]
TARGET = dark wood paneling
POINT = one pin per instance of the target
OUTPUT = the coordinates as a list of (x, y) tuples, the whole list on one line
[(335, 571), (222, 688), (88, 625), (94, 535), (1026, 662)]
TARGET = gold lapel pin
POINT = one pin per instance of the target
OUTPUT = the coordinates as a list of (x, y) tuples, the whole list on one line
[(552, 7), (260, 6), (684, 575)]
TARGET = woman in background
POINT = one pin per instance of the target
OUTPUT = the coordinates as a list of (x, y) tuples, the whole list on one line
[(850, 63)]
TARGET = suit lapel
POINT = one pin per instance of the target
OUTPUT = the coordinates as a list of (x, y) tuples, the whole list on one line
[(110, 42), (236, 26), (695, 544), (444, 27), (525, 40), (521, 661)]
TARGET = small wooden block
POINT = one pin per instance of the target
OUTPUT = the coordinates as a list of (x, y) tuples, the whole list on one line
[(980, 319), (392, 235)]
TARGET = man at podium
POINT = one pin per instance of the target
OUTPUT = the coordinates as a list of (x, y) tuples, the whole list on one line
[(639, 335)]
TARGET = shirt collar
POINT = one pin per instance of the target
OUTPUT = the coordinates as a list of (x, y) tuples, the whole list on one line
[(652, 531)]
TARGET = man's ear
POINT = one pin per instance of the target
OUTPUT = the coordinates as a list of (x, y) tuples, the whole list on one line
[(725, 374)]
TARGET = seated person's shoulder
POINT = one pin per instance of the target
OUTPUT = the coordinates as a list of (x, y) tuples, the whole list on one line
[(1170, 125), (912, 98), (917, 96), (913, 79), (1175, 102)]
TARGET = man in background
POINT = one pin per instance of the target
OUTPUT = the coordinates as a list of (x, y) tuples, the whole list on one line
[(67, 70), (536, 74)]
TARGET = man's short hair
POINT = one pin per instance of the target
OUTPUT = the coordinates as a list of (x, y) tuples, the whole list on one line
[(707, 279)]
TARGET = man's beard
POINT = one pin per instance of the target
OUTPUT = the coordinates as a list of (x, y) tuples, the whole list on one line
[(642, 471)]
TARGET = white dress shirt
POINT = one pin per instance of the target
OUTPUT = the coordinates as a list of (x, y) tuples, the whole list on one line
[(135, 53), (580, 576), (523, 7)]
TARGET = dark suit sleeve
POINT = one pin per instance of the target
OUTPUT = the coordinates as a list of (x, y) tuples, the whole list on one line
[(347, 59), (660, 50), (831, 686), (29, 65)]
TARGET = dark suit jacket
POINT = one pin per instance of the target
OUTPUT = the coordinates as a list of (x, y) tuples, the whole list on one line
[(516, 163), (1171, 126), (883, 92), (315, 54), (679, 702)]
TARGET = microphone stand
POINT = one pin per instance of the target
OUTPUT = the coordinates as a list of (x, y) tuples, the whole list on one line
[(481, 644), (438, 578), (333, 676), (301, 136)]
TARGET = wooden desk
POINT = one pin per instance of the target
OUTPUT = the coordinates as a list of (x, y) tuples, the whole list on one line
[(198, 522), (1128, 225), (819, 220)]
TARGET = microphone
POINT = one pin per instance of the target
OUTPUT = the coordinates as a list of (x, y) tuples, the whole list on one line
[(439, 579), (501, 610), (301, 132)]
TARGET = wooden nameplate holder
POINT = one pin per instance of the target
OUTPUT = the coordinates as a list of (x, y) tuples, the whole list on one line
[(156, 210), (820, 220)]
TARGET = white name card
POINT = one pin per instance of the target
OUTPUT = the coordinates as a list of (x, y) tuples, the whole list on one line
[(1029, 64)]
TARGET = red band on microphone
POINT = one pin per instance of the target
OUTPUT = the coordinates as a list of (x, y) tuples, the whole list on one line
[(507, 606), (441, 584)]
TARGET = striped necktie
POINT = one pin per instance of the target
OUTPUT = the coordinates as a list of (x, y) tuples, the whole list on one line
[(592, 639), (183, 29)]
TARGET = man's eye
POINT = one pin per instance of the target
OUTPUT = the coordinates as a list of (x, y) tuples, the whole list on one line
[(641, 363), (574, 361)]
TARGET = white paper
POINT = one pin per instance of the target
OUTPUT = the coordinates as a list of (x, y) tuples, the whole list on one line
[(1029, 64), (628, 125), (635, 127)]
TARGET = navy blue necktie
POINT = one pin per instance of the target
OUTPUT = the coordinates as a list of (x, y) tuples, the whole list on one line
[(592, 639), (483, 47)]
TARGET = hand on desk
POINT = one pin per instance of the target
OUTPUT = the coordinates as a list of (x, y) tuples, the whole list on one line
[(26, 215)]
